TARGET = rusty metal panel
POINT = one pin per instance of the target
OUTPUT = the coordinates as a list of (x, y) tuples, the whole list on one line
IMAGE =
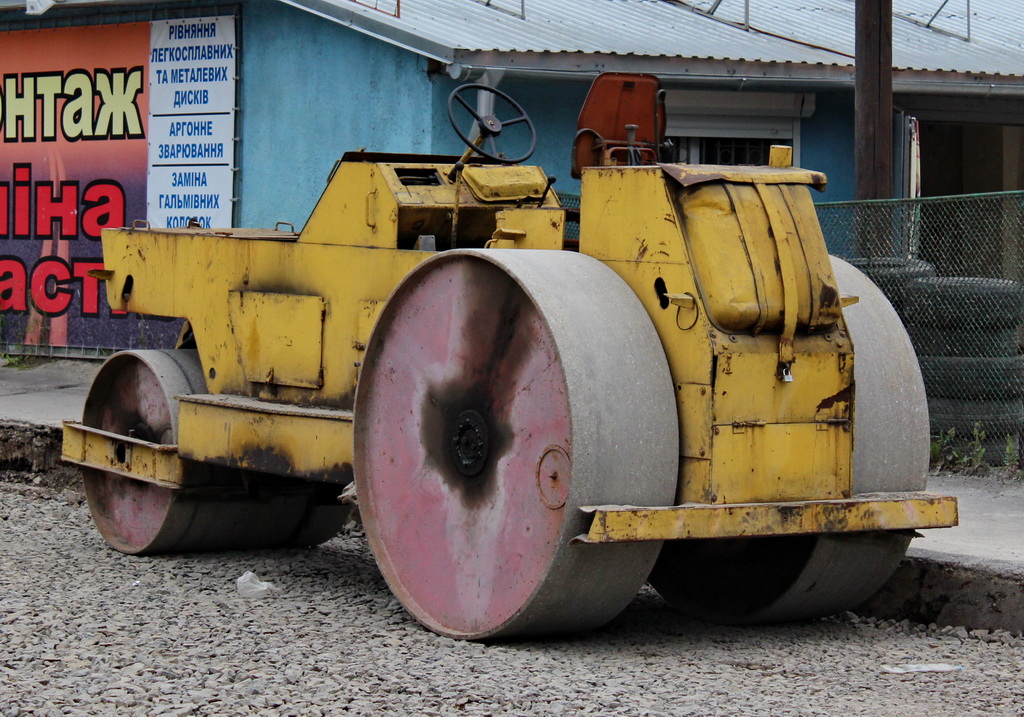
[(756, 461), (123, 455), (533, 228), (868, 512), (280, 337), (747, 389), (241, 432), (508, 183)]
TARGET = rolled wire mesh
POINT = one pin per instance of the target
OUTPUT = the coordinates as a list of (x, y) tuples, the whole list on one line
[(952, 267)]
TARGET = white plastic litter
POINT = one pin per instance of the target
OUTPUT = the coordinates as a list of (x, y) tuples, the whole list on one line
[(932, 667), (250, 586)]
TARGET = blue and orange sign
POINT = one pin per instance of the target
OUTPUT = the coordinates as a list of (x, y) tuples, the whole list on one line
[(75, 158)]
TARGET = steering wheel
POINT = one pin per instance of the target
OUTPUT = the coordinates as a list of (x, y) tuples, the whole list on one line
[(489, 126)]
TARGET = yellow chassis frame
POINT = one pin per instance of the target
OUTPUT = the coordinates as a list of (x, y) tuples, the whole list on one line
[(863, 513), (123, 455), (161, 465)]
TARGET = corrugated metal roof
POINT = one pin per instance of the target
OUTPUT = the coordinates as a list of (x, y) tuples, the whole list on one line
[(781, 31), (573, 35), (996, 32), (625, 27)]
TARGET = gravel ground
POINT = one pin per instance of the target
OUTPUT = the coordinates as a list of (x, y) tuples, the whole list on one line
[(87, 631)]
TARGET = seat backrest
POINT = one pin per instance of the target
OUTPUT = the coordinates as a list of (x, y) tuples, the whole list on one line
[(615, 100)]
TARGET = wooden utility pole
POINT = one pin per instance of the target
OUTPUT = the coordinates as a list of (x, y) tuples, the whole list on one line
[(873, 133)]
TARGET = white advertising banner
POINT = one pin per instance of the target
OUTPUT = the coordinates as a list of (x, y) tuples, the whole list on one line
[(191, 122)]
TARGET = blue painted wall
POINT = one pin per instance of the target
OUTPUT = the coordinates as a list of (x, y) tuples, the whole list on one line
[(827, 144), (553, 108), (310, 91), (442, 139)]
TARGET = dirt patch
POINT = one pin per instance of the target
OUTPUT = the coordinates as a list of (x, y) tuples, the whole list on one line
[(30, 455)]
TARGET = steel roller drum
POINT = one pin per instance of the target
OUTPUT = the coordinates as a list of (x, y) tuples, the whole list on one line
[(502, 390), (788, 578), (134, 394)]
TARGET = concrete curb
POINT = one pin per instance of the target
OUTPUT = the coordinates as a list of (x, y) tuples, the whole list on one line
[(952, 590)]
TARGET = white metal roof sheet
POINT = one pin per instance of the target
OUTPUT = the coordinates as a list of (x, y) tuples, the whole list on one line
[(625, 27), (992, 42), (781, 31), (806, 32)]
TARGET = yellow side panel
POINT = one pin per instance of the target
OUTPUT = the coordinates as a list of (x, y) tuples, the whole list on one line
[(688, 349), (356, 209), (366, 317), (280, 337), (683, 333), (695, 418), (695, 481), (508, 183), (193, 276), (286, 440), (747, 389), (628, 214), (533, 228), (773, 462)]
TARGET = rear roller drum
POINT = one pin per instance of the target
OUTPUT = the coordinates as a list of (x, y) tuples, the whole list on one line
[(798, 577), (133, 394), (501, 391)]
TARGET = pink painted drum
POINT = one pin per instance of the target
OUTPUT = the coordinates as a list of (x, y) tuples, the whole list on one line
[(501, 391), (134, 394)]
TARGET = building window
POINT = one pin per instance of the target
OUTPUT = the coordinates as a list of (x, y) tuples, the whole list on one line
[(734, 128), (724, 150)]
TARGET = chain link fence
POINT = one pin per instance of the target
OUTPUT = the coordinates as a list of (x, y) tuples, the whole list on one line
[(952, 267), (571, 202)]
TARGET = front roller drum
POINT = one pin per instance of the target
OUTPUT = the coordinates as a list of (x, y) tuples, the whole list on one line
[(746, 580), (502, 390), (134, 394)]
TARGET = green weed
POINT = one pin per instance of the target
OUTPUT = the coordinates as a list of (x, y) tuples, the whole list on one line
[(949, 452)]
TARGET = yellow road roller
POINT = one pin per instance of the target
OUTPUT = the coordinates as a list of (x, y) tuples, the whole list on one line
[(692, 393)]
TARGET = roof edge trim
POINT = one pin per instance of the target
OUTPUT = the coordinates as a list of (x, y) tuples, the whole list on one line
[(677, 71), (383, 31)]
